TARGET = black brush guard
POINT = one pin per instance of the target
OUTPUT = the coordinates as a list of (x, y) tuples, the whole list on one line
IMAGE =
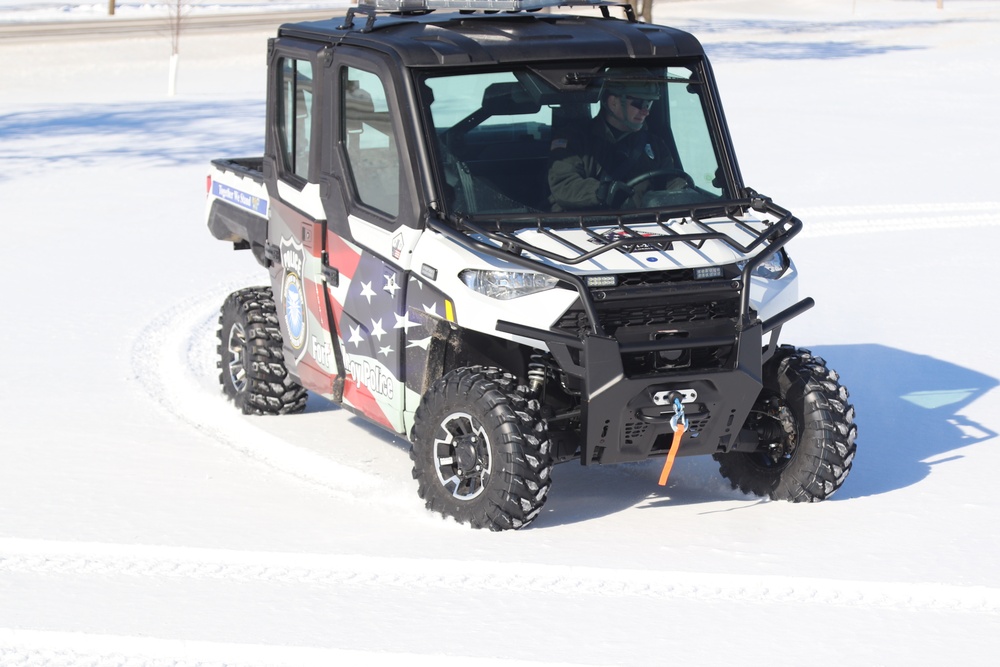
[(623, 414)]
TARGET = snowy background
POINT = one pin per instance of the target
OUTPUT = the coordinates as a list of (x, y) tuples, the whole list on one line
[(33, 11), (144, 521)]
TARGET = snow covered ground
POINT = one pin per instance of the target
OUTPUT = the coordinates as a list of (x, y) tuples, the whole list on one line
[(144, 521), (19, 11)]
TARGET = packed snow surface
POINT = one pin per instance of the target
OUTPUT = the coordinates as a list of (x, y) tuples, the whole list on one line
[(21, 11), (144, 521)]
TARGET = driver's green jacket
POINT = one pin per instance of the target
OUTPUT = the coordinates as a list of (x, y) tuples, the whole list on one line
[(581, 160)]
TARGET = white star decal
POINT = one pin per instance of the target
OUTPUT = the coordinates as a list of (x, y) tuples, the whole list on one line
[(377, 330), (403, 322), (390, 285), (384, 351), (356, 335), (423, 342), (431, 309), (367, 291)]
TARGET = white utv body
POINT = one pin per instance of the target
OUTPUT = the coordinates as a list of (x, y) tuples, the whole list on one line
[(424, 274)]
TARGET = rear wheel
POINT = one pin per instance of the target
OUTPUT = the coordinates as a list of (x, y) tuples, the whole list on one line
[(251, 361), (480, 453), (806, 433)]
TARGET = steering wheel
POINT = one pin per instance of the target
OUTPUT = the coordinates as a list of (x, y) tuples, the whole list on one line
[(653, 173)]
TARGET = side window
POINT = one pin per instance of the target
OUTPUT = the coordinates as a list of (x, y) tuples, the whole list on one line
[(691, 133), (367, 135), (295, 121)]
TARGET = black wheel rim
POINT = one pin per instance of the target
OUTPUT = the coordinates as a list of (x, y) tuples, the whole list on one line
[(237, 357), (462, 456)]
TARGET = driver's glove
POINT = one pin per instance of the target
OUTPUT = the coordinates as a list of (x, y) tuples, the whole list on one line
[(676, 184), (613, 193)]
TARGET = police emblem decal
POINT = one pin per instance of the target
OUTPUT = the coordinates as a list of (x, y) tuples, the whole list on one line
[(295, 311), (292, 257)]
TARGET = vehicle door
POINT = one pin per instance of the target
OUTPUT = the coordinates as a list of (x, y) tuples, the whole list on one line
[(297, 220), (373, 208)]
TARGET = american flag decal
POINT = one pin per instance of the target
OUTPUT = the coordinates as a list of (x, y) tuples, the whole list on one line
[(372, 321), (385, 318)]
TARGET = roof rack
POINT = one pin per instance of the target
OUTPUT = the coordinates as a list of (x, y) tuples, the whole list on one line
[(370, 8)]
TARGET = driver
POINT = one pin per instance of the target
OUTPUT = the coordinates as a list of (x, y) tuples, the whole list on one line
[(591, 168)]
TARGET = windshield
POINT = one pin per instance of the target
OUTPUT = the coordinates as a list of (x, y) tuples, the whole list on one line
[(602, 139)]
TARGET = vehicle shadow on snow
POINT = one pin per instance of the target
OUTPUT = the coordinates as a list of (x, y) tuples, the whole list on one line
[(581, 494), (908, 412), (909, 409)]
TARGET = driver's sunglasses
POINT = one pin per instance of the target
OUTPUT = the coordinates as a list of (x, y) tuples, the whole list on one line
[(642, 105)]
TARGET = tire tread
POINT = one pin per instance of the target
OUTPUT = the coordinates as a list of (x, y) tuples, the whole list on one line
[(827, 435), (270, 390)]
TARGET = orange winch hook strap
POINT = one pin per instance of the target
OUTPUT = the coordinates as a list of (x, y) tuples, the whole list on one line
[(674, 446), (679, 423)]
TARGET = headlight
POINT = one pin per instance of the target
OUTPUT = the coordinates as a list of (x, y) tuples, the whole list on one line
[(773, 267), (505, 285)]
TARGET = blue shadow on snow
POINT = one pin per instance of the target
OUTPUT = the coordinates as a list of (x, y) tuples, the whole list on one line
[(170, 132), (908, 411)]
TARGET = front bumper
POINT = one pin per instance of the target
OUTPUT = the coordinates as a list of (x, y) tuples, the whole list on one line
[(625, 418)]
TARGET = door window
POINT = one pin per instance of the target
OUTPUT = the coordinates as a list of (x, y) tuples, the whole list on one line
[(370, 142), (295, 121)]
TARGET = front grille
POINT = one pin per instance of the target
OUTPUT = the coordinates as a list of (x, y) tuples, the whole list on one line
[(646, 278), (649, 314), (654, 278), (654, 318)]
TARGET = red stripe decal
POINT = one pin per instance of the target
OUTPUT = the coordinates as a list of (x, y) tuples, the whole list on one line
[(362, 399), (342, 256)]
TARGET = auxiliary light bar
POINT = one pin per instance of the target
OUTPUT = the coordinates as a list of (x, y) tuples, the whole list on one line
[(477, 5)]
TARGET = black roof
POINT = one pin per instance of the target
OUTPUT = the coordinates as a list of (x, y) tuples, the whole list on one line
[(451, 39)]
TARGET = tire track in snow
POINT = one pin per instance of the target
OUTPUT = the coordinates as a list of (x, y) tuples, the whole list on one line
[(46, 558), (843, 220), (171, 360)]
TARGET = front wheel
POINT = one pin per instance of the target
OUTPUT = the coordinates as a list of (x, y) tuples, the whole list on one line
[(480, 453), (805, 430)]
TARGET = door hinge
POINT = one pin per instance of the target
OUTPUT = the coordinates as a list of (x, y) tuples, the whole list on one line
[(272, 253), (331, 275)]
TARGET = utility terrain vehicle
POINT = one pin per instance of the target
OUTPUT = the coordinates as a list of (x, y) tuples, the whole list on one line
[(424, 275)]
